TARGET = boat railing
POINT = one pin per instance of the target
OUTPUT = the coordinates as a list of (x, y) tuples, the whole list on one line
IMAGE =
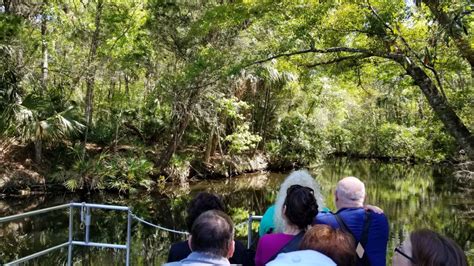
[(85, 223), (85, 214)]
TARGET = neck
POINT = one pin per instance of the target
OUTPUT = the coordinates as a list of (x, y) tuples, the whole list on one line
[(291, 230), (349, 205)]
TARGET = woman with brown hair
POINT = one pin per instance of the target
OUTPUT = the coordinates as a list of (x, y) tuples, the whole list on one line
[(321, 246), (426, 247)]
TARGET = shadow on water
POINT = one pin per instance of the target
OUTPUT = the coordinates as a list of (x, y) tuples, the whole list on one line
[(412, 197)]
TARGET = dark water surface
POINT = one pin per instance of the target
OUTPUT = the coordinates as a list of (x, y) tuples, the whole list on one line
[(412, 197)]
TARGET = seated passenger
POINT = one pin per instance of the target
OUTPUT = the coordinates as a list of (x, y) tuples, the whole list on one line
[(321, 246), (272, 221), (211, 240), (425, 247), (299, 210), (203, 202), (369, 229)]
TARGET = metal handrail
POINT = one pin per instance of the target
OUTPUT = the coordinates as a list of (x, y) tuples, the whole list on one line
[(71, 242), (87, 206), (249, 228), (37, 254), (30, 213)]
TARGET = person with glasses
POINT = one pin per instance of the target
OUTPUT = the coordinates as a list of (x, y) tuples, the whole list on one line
[(369, 229), (426, 247), (299, 209)]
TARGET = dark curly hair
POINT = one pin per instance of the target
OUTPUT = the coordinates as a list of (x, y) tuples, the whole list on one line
[(201, 203), (301, 206)]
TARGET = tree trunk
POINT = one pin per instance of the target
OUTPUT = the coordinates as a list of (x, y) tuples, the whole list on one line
[(442, 109), (178, 133), (127, 81), (263, 125), (44, 47), (90, 77), (38, 150), (209, 146), (181, 124)]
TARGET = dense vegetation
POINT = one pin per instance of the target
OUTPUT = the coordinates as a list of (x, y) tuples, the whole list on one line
[(105, 93)]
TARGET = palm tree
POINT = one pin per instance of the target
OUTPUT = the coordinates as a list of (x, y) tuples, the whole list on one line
[(37, 120)]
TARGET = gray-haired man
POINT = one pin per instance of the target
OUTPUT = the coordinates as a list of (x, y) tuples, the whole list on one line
[(211, 240), (369, 229)]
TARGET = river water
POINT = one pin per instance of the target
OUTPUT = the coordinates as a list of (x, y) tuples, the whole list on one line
[(413, 196)]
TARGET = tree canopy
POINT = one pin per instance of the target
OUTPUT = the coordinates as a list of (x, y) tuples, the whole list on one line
[(182, 81)]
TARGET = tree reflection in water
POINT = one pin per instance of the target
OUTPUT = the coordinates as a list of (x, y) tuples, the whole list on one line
[(412, 197)]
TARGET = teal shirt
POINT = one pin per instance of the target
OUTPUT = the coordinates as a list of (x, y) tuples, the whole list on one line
[(267, 221)]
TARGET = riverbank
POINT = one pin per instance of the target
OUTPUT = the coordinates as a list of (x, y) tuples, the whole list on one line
[(19, 175)]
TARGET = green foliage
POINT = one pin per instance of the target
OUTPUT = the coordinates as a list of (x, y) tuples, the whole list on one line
[(300, 140), (193, 79), (34, 119), (10, 27), (242, 140), (109, 171)]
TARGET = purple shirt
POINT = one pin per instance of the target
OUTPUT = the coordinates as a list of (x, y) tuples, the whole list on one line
[(269, 245)]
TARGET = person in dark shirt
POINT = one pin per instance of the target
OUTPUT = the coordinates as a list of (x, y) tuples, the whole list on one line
[(201, 203), (352, 217)]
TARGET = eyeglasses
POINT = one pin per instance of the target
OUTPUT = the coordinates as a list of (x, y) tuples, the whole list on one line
[(397, 249), (293, 188)]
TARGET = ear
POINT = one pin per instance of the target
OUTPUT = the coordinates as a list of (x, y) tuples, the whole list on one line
[(189, 242), (283, 211), (231, 249), (335, 195)]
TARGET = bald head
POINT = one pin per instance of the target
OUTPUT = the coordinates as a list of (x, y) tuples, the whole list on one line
[(350, 193)]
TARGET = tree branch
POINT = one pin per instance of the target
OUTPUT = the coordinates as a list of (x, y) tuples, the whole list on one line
[(460, 39), (365, 52), (405, 43), (339, 59)]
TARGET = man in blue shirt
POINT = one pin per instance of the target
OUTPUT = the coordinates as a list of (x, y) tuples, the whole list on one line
[(369, 229)]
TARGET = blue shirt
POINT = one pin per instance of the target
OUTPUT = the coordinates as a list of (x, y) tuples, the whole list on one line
[(376, 247)]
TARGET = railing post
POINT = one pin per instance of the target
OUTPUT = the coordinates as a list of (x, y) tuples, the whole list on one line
[(129, 236), (88, 223), (249, 231), (70, 246)]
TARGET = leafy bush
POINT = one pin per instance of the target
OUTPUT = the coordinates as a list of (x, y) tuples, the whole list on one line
[(300, 139), (109, 171), (242, 140)]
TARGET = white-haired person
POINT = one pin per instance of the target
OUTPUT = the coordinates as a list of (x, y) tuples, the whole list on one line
[(272, 220)]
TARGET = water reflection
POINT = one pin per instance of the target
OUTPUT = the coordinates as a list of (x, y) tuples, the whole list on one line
[(412, 197)]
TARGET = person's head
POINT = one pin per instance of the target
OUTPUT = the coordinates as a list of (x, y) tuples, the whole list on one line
[(350, 193), (428, 248), (202, 202), (302, 178), (213, 233), (334, 243), (300, 206)]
